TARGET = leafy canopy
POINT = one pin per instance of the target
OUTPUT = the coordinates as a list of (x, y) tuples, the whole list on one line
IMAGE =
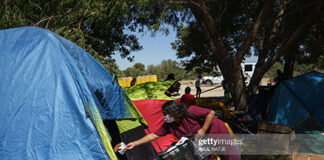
[(95, 25)]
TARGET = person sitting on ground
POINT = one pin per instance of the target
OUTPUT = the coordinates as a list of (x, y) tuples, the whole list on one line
[(173, 90), (188, 98), (179, 121), (133, 82)]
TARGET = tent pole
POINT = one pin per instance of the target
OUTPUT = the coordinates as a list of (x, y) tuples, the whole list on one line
[(317, 122), (293, 93), (294, 126), (303, 104), (155, 140), (146, 127)]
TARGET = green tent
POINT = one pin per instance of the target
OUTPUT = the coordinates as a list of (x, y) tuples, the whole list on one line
[(150, 90)]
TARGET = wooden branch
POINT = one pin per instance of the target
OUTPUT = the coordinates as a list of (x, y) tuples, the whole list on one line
[(262, 68), (293, 38), (263, 49), (314, 3), (42, 20), (211, 35), (276, 24), (267, 44), (222, 11), (177, 2), (48, 23), (255, 29)]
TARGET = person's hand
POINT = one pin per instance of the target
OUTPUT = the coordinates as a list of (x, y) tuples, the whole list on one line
[(175, 94), (201, 132), (117, 147), (130, 146)]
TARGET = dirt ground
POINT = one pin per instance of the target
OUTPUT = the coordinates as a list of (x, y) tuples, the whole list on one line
[(206, 91), (209, 91)]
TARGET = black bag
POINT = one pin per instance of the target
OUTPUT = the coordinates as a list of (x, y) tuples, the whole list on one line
[(185, 151)]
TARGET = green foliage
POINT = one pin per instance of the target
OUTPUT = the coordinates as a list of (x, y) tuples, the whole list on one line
[(298, 69), (304, 68), (154, 90), (272, 72), (95, 25), (161, 70), (312, 47), (190, 43), (138, 69), (234, 20)]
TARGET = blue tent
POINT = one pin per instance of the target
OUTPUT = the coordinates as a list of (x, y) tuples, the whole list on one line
[(299, 102), (48, 85)]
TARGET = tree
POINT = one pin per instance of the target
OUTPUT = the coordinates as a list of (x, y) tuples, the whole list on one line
[(96, 26), (307, 50), (171, 66), (272, 72), (160, 70), (226, 32), (138, 69)]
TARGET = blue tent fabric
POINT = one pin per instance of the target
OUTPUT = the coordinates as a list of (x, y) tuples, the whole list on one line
[(46, 84), (298, 99)]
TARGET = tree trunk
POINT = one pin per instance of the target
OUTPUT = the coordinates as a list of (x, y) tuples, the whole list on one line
[(232, 73), (290, 60), (239, 90), (230, 64), (255, 80), (264, 63)]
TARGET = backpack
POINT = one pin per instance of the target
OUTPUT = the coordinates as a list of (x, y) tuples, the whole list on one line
[(189, 115)]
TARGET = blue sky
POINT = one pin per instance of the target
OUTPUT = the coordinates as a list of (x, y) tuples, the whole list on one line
[(155, 49)]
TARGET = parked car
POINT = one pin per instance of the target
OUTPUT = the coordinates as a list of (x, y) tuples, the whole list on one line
[(217, 78)]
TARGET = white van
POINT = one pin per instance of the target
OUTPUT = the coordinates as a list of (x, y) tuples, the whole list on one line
[(247, 67), (248, 70)]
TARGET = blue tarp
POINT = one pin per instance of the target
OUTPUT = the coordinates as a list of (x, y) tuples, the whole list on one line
[(298, 99), (46, 84)]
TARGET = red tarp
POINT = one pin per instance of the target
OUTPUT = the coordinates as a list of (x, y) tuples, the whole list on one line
[(152, 112)]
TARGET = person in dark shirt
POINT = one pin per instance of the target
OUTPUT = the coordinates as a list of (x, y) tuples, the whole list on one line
[(279, 78), (133, 82), (197, 84)]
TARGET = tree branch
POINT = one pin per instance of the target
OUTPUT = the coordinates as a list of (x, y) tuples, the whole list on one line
[(314, 3), (255, 29), (293, 38), (42, 20), (269, 39), (177, 2), (208, 24)]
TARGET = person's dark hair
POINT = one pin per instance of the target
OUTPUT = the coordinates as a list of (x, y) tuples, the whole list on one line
[(174, 109), (170, 77), (187, 90), (199, 76)]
